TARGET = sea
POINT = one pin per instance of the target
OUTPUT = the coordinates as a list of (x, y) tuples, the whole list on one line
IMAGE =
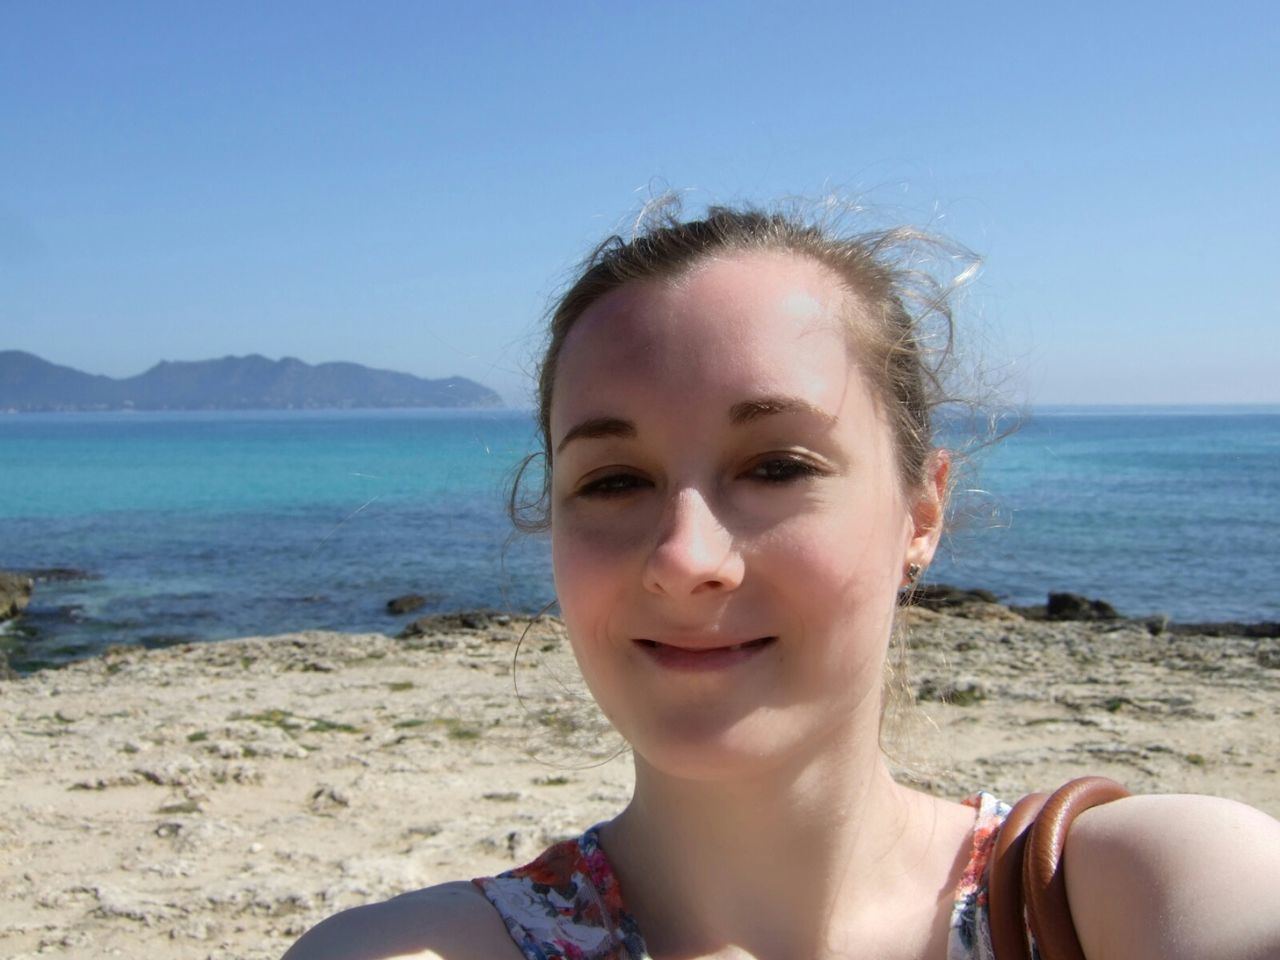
[(200, 526)]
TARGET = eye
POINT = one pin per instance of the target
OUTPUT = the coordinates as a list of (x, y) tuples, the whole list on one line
[(612, 485), (779, 470)]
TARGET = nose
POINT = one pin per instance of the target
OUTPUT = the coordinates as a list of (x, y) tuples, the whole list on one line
[(692, 551)]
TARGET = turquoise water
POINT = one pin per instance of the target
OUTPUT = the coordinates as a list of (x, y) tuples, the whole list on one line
[(212, 525), (1169, 511)]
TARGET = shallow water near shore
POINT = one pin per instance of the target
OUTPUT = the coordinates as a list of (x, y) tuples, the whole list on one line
[(211, 525)]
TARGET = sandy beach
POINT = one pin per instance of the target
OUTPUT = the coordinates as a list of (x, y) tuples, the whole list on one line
[(215, 800)]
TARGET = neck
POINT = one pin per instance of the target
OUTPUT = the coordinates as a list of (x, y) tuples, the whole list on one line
[(786, 863)]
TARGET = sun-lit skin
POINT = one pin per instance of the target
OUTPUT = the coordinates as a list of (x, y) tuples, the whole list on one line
[(723, 475)]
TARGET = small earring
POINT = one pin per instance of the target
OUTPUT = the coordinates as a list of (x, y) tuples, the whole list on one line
[(913, 573)]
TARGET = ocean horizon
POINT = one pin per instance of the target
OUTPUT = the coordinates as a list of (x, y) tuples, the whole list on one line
[(206, 525)]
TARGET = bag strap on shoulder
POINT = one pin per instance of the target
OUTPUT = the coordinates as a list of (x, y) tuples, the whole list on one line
[(1026, 878)]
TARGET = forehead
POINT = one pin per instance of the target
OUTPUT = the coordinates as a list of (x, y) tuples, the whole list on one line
[(730, 328)]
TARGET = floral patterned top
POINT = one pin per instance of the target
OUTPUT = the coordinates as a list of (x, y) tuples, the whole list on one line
[(566, 904)]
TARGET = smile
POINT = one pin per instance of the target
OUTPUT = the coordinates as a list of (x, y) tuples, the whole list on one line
[(692, 658)]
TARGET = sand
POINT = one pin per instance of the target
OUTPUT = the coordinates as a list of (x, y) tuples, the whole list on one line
[(215, 800)]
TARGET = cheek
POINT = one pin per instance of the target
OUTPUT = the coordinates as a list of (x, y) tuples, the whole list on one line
[(840, 583), (572, 572), (856, 544), (590, 571), (591, 550), (587, 588)]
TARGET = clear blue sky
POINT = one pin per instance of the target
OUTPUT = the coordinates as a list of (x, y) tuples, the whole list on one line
[(405, 184)]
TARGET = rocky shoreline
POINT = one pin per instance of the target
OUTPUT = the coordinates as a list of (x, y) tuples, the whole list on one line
[(18, 586), (213, 800)]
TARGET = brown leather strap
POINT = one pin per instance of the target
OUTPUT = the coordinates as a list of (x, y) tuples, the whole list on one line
[(1026, 885), (1004, 886), (1043, 881)]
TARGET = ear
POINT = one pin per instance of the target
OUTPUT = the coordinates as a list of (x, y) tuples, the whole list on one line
[(928, 509)]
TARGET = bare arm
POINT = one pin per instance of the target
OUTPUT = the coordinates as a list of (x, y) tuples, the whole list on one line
[(1172, 877), (452, 921)]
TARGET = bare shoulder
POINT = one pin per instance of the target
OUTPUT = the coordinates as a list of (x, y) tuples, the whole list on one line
[(452, 921), (1175, 876)]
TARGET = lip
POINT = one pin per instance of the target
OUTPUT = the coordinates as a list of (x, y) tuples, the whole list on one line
[(693, 658)]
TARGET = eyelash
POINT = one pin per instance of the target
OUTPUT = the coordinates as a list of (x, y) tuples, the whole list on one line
[(793, 469), (775, 471), (613, 485)]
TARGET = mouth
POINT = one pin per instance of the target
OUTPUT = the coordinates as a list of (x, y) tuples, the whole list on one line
[(694, 658)]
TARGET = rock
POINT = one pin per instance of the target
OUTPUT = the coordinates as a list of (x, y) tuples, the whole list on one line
[(326, 798), (15, 593), (422, 627), (1072, 606), (1157, 624), (448, 623), (130, 905), (960, 693), (955, 602), (428, 641), (406, 604), (1033, 612), (943, 598), (178, 771), (1266, 630), (985, 611)]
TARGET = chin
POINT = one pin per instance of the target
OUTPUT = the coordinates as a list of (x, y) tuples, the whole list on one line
[(710, 749)]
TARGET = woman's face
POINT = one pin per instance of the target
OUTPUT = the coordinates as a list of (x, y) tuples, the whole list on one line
[(728, 525)]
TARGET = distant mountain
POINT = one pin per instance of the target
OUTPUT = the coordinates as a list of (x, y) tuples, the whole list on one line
[(28, 383)]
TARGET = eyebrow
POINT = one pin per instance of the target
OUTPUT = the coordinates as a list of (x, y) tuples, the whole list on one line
[(749, 411), (740, 414), (597, 428)]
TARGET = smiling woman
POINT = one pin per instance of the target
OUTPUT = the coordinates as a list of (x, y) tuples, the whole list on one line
[(740, 479)]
